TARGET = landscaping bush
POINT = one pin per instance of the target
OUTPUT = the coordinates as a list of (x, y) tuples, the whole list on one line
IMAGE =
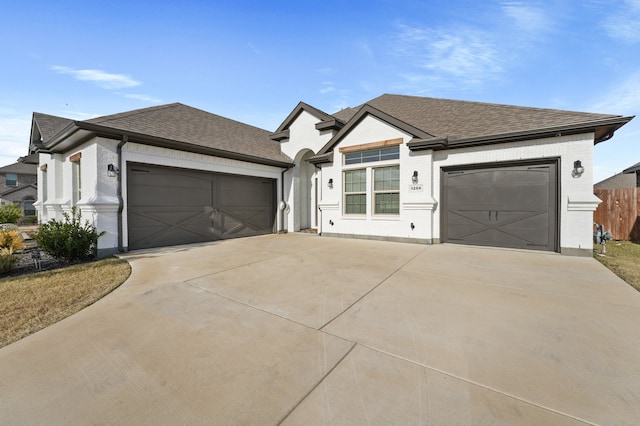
[(11, 240), (7, 260), (69, 240), (10, 213)]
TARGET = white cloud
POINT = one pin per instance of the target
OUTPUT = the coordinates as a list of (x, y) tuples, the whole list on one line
[(622, 99), (466, 54), (101, 78), (139, 97), (624, 23), (526, 17), (14, 137), (328, 87)]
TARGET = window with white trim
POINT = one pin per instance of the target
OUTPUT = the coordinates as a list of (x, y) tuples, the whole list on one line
[(383, 154), (355, 191), (11, 179), (386, 190), (76, 178)]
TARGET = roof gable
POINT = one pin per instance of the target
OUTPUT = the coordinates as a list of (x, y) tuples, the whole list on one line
[(48, 125), (325, 121)]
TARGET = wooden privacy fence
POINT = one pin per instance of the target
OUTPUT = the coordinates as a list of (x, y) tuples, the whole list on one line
[(619, 212)]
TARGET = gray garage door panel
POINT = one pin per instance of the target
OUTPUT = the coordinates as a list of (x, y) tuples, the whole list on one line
[(509, 206), (168, 206)]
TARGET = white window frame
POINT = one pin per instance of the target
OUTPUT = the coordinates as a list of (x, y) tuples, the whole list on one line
[(346, 193), (376, 192)]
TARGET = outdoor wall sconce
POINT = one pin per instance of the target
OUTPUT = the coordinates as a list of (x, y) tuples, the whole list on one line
[(112, 171), (414, 177), (578, 170), (330, 183), (331, 222), (412, 226)]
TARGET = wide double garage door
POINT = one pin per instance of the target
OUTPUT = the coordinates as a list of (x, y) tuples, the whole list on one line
[(511, 205), (169, 206)]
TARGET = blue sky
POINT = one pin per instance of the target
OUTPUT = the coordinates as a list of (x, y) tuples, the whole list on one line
[(253, 61)]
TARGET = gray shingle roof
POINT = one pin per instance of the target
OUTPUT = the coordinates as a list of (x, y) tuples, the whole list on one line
[(20, 169), (464, 119), (49, 125), (182, 123), (445, 123), (632, 169)]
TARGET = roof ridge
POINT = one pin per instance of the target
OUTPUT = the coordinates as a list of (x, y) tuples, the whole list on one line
[(131, 113), (509, 106)]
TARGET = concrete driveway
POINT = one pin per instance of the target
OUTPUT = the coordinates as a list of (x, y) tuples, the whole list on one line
[(300, 329)]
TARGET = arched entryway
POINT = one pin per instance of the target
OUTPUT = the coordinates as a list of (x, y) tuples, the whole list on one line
[(304, 195)]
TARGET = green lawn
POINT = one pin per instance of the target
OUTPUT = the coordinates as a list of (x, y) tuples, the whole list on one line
[(623, 259)]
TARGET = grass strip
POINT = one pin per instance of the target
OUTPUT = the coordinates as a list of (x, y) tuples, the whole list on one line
[(29, 303)]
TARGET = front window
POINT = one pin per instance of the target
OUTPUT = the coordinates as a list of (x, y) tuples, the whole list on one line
[(12, 179), (383, 154), (355, 191), (386, 189), (29, 209), (77, 181)]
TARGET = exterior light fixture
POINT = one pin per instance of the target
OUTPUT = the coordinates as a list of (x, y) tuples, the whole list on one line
[(112, 171), (578, 170), (330, 183), (414, 177)]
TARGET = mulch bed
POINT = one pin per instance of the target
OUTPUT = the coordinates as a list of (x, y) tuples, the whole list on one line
[(26, 263)]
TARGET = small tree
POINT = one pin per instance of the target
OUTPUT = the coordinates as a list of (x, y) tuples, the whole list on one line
[(10, 213), (69, 239)]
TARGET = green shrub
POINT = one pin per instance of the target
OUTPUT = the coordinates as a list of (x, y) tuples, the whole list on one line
[(10, 213), (7, 260), (69, 239), (11, 240)]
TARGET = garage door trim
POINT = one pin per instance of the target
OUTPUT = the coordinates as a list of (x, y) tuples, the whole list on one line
[(554, 196)]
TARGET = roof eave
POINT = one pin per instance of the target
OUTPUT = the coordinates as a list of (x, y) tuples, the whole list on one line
[(602, 129), (86, 130)]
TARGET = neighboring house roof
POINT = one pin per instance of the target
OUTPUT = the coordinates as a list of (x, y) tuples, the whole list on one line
[(633, 169), (177, 126), (17, 189), (20, 168), (620, 180), (444, 123)]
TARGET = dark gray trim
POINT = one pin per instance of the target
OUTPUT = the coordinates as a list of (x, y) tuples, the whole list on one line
[(360, 115), (633, 169), (123, 141), (556, 161), (280, 135), (603, 130), (322, 159), (87, 130), (333, 124), (322, 116)]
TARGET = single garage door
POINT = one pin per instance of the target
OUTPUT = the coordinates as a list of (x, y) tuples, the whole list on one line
[(169, 206), (508, 206)]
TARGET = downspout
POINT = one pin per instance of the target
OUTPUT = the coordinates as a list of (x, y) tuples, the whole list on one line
[(123, 141), (283, 204)]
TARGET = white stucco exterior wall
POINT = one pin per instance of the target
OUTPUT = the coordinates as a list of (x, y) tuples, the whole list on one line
[(99, 202), (421, 208), (576, 217), (299, 183), (415, 206)]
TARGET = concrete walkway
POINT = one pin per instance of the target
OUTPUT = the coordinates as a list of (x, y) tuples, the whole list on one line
[(303, 330)]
